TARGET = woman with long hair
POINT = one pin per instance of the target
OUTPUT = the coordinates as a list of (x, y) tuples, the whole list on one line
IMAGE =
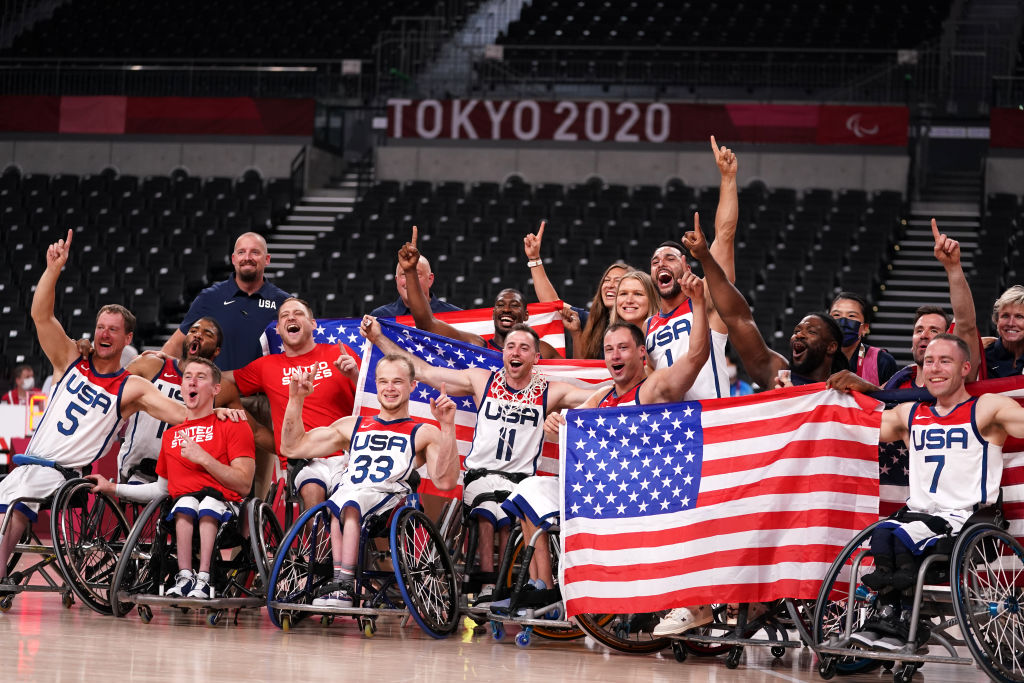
[(636, 299)]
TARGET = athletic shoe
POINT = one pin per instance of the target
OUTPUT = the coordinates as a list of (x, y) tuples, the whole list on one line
[(683, 619), (501, 606), (339, 596), (183, 584), (865, 637), (485, 596), (202, 588)]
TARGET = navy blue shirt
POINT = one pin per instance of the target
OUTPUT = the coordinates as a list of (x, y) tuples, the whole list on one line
[(398, 307), (1001, 363), (243, 317)]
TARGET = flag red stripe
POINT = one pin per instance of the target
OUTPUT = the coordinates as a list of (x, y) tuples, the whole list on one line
[(778, 519), (783, 486), (795, 450), (788, 423), (747, 592)]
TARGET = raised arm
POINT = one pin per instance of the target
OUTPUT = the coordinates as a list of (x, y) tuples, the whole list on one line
[(470, 382), (419, 305), (59, 349), (671, 383), (172, 347), (562, 395), (728, 213), (947, 251), (440, 445), (894, 424), (542, 286), (761, 363), (296, 442)]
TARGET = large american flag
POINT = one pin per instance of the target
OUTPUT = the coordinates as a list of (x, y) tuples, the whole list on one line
[(731, 500), (894, 462)]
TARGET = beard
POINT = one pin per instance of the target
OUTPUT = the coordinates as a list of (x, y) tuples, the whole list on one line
[(812, 360)]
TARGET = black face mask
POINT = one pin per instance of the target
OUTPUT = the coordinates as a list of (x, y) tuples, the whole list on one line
[(851, 330)]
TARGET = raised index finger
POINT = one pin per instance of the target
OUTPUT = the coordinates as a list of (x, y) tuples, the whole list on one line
[(935, 230), (67, 240), (696, 223), (714, 146), (415, 232), (540, 230)]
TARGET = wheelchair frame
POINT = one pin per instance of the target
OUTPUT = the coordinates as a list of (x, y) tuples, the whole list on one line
[(86, 536), (983, 606), (240, 580), (413, 577)]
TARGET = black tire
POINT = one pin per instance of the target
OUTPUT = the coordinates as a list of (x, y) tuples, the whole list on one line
[(143, 565), (987, 563), (88, 532), (830, 608), (554, 547), (302, 565), (425, 573), (265, 536), (619, 632)]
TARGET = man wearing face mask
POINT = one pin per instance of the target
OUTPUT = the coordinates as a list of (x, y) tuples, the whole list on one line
[(24, 386), (870, 363)]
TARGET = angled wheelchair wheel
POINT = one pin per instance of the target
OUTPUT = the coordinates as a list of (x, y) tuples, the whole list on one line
[(988, 595), (265, 535), (88, 533), (831, 607), (302, 565), (147, 560), (510, 579), (425, 574), (628, 633)]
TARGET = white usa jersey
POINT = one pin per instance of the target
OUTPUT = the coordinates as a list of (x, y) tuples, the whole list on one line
[(668, 339), (382, 454), (82, 417), (509, 435), (142, 436), (951, 466)]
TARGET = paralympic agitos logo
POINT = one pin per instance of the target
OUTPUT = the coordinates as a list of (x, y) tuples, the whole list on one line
[(853, 124)]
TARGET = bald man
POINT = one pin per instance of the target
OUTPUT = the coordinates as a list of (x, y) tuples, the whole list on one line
[(401, 305)]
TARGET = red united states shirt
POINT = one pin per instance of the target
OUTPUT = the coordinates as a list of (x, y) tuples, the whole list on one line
[(226, 441), (332, 397)]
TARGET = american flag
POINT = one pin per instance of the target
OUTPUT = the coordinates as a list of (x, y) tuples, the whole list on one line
[(894, 463), (544, 319), (731, 500), (445, 352)]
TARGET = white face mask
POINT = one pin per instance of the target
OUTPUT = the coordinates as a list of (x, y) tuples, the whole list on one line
[(731, 370), (28, 383)]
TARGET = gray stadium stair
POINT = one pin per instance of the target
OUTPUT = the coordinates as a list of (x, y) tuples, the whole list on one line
[(916, 278)]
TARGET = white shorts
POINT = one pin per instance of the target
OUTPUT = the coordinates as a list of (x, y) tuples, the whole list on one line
[(29, 481), (327, 472), (917, 535), (368, 501), (207, 507), (489, 510), (535, 499)]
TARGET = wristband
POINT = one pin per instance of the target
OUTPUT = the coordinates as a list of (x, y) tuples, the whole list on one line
[(534, 264)]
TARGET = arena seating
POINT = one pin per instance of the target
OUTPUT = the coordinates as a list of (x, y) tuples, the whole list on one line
[(150, 243), (201, 30)]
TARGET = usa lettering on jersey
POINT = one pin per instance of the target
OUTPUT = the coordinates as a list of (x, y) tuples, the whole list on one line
[(512, 414), (667, 334), (268, 303), (197, 433), (320, 370)]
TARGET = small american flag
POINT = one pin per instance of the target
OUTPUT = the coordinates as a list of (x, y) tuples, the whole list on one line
[(731, 500)]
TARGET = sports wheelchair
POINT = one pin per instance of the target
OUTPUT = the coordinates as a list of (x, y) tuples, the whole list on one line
[(412, 576), (969, 592), (87, 533), (243, 553)]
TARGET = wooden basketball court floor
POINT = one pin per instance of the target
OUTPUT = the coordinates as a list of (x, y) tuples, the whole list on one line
[(42, 641)]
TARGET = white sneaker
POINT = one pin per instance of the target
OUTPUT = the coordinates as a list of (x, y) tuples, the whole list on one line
[(340, 596), (183, 584), (683, 619), (201, 589)]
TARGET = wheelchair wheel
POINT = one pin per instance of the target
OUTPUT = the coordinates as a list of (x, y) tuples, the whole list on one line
[(302, 565), (555, 549), (425, 574), (88, 532), (265, 535), (629, 633), (988, 591), (830, 609), (144, 564)]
